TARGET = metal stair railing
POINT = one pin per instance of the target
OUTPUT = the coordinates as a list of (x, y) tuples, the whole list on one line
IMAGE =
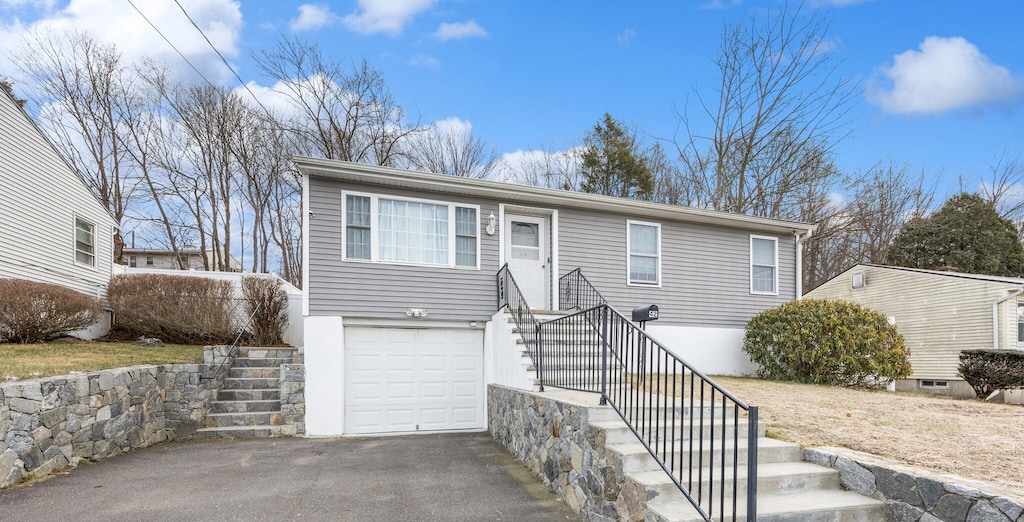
[(654, 391)]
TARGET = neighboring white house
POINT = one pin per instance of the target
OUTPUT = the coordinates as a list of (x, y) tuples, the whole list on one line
[(163, 259), (52, 227), (939, 314)]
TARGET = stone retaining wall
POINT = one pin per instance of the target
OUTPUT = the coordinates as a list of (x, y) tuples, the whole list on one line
[(293, 399), (916, 495), (555, 441), (51, 423)]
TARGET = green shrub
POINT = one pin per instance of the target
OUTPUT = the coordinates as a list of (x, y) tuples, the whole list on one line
[(267, 303), (32, 312), (990, 370), (826, 342), (176, 309)]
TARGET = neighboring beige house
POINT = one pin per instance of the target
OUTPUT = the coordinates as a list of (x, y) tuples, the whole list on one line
[(939, 314), (164, 259)]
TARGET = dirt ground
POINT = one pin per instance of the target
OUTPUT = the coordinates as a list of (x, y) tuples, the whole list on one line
[(974, 439)]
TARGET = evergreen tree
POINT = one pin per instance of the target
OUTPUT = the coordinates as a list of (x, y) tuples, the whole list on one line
[(612, 162), (966, 233)]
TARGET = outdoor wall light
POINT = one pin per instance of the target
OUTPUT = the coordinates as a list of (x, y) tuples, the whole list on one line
[(491, 222), (416, 312)]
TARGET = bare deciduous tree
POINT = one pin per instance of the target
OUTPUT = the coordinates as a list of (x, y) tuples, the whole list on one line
[(450, 147), (1005, 189)]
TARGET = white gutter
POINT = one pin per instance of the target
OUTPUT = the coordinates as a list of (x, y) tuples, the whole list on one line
[(800, 238), (995, 315)]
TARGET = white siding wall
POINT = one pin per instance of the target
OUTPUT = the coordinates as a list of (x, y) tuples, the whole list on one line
[(938, 315), (39, 199)]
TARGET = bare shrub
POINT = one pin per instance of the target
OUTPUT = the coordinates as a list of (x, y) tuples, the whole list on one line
[(32, 312), (176, 309), (267, 303)]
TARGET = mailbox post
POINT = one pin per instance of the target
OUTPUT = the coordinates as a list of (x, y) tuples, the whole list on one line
[(642, 314)]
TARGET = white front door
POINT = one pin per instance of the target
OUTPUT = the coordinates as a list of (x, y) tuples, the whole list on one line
[(527, 254), (413, 379)]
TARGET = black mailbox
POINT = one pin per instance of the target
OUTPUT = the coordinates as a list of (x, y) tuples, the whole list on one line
[(645, 313)]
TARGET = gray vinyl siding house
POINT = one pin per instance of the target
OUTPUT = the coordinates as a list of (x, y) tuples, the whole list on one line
[(52, 228), (708, 272)]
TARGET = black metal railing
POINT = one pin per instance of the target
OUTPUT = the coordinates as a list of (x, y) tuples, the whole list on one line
[(233, 347), (689, 423), (511, 298)]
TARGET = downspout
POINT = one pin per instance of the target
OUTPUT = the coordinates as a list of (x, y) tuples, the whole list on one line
[(800, 238), (995, 315)]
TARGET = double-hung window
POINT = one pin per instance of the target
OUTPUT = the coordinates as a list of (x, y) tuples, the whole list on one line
[(644, 241), (764, 262), (85, 242), (407, 231)]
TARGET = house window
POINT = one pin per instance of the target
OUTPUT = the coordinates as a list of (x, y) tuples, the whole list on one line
[(1020, 322), (85, 242), (764, 261), (149, 260), (934, 384), (132, 262), (411, 231), (644, 241)]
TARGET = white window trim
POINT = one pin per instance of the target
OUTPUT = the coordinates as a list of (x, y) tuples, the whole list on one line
[(74, 243), (374, 229), (750, 247), (629, 253)]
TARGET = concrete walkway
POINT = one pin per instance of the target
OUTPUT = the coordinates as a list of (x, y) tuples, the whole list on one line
[(463, 476)]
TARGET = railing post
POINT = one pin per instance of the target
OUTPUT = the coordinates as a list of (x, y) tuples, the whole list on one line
[(752, 463), (605, 346), (540, 356)]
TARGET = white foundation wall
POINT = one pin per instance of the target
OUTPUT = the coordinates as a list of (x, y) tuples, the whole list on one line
[(712, 351), (324, 353), (504, 362)]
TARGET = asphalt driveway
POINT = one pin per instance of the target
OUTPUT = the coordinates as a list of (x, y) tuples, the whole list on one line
[(463, 476)]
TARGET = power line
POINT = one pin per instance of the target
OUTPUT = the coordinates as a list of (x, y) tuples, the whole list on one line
[(182, 55), (228, 65)]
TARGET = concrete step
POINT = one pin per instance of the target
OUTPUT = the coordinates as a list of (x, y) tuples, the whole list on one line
[(250, 372), (617, 432), (248, 432), (218, 420), (636, 458), (772, 479), (250, 383), (245, 406), (248, 395), (805, 506), (260, 362)]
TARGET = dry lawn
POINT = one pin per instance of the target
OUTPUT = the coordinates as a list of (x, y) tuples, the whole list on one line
[(26, 361), (975, 439)]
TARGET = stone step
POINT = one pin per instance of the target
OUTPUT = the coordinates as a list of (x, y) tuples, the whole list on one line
[(249, 395), (814, 505), (250, 383), (254, 352), (245, 406), (247, 432), (218, 420), (616, 431), (772, 479), (264, 362), (254, 372), (635, 457)]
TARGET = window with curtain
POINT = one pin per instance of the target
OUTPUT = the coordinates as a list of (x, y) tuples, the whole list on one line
[(85, 242), (415, 232), (1020, 322), (763, 270), (644, 252)]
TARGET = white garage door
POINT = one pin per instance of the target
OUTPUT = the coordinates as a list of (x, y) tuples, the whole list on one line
[(406, 380)]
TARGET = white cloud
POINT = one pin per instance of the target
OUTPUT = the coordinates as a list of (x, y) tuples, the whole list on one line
[(312, 17), (718, 4), (946, 74), (457, 31), (544, 168), (384, 16), (626, 37), (425, 60), (113, 22), (839, 3)]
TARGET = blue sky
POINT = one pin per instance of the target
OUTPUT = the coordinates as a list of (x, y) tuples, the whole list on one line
[(941, 82)]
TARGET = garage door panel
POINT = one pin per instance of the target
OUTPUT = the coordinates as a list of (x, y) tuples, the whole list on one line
[(426, 379)]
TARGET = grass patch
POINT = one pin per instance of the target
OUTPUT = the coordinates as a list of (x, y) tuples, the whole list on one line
[(28, 361)]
